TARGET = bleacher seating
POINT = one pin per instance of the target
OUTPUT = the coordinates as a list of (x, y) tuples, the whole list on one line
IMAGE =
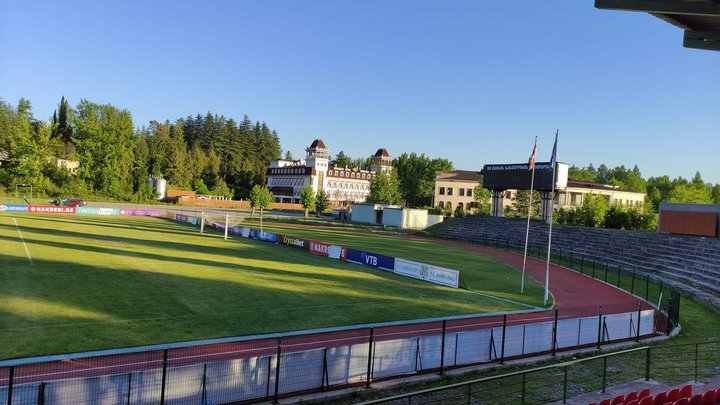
[(676, 396), (689, 263)]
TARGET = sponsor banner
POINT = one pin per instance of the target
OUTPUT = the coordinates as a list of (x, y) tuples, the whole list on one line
[(194, 220), (13, 208), (236, 230), (245, 232), (377, 261), (50, 209), (427, 272), (253, 233), (337, 252), (170, 215), (140, 213), (181, 217), (294, 242), (97, 211), (318, 248), (271, 237)]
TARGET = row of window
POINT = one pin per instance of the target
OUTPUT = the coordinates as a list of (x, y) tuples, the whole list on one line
[(284, 181), (288, 170), (351, 175), (350, 186), (462, 191)]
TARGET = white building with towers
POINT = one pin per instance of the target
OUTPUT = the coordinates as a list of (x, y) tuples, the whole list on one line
[(343, 185)]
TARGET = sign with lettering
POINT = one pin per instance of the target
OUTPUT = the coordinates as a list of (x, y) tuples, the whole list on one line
[(50, 209), (318, 248), (13, 208), (266, 236), (97, 211), (294, 242), (427, 272), (375, 260)]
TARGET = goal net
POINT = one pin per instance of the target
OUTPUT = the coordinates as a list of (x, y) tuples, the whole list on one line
[(222, 221)]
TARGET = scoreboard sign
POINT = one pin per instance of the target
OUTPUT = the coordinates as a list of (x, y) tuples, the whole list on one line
[(517, 176)]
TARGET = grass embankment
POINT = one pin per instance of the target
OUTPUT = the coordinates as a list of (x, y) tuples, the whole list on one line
[(99, 282)]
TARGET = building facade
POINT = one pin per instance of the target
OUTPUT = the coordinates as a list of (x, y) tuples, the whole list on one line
[(343, 185), (456, 188)]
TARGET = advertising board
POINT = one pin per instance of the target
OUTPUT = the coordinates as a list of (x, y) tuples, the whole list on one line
[(140, 213), (336, 252), (266, 236), (97, 211), (370, 259), (294, 242), (50, 209), (319, 248), (13, 208), (427, 272), (181, 217)]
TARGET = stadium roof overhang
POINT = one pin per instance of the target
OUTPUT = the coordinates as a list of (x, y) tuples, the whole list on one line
[(700, 19)]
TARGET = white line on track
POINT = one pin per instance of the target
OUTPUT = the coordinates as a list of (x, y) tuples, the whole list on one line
[(23, 241)]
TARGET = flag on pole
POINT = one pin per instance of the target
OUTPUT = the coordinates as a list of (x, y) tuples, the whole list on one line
[(553, 157), (531, 161)]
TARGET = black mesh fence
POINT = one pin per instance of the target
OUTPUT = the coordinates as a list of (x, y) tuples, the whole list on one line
[(273, 366)]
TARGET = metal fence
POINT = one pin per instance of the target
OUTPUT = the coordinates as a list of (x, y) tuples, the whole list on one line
[(272, 366), (672, 365)]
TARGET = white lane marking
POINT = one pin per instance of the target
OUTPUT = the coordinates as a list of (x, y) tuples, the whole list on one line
[(23, 241)]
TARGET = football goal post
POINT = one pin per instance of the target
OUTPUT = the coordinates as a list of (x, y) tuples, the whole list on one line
[(221, 220)]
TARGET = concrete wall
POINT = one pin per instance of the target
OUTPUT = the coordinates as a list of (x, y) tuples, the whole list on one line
[(363, 213)]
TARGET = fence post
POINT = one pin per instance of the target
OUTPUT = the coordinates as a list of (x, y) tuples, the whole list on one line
[(502, 347), (129, 387), (637, 338), (696, 363), (370, 356), (522, 397), (618, 279), (606, 270), (660, 294), (554, 335), (164, 377), (565, 386), (204, 384), (647, 364), (593, 270), (647, 286), (632, 284), (599, 328), (442, 350), (10, 384), (277, 369), (41, 392), (604, 379), (571, 259), (582, 265), (560, 259)]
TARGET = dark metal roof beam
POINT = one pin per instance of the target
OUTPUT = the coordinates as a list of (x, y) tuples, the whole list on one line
[(662, 7), (708, 40)]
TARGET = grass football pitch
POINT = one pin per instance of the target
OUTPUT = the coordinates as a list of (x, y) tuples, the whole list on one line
[(81, 283)]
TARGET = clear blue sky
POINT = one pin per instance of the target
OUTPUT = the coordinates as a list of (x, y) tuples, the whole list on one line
[(472, 81)]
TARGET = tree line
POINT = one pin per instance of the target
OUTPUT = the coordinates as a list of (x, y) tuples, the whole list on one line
[(211, 154)]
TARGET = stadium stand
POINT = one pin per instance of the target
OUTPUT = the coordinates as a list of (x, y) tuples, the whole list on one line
[(689, 263), (676, 396)]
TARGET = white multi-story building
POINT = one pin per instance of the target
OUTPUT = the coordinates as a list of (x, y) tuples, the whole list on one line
[(343, 185)]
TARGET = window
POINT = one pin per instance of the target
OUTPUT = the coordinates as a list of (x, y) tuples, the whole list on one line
[(469, 192), (442, 192), (440, 205), (449, 191), (462, 192)]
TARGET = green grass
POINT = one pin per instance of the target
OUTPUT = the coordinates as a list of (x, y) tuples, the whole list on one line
[(477, 272), (111, 282)]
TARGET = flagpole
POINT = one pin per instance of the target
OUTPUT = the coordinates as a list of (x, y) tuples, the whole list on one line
[(527, 230), (552, 214)]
